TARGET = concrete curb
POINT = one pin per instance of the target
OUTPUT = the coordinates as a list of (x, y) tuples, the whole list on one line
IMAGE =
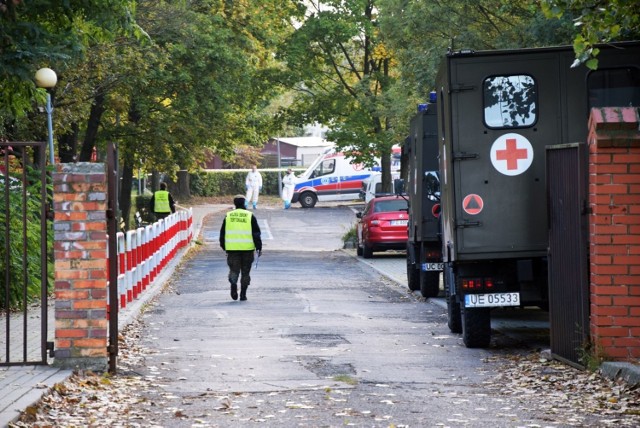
[(133, 309), (19, 396), (630, 373)]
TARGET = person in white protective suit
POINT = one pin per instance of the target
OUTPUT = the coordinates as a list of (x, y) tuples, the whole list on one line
[(288, 185), (253, 185)]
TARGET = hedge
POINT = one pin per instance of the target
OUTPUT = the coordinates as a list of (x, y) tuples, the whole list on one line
[(225, 182)]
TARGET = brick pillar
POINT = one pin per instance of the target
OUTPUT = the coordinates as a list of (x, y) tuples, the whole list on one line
[(80, 252), (614, 198)]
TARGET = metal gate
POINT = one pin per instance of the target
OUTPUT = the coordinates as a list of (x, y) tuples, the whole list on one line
[(112, 231), (567, 192), (25, 254)]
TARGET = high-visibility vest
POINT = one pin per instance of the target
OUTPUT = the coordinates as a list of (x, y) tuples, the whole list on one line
[(237, 231), (161, 202)]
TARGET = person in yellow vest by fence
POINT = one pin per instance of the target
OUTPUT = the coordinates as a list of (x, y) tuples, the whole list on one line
[(240, 236), (162, 203)]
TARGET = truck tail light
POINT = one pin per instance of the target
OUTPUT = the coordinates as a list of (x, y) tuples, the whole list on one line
[(432, 254), (471, 283), (477, 284)]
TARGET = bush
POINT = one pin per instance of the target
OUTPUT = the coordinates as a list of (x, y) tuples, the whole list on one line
[(142, 206), (350, 236), (221, 182)]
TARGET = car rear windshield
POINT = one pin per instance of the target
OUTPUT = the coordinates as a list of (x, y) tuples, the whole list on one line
[(387, 206)]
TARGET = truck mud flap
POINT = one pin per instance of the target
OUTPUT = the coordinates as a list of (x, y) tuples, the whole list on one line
[(413, 271), (429, 283), (454, 318)]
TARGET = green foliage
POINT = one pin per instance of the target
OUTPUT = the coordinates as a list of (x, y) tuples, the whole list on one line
[(420, 33), (23, 239), (221, 182), (350, 235), (602, 22), (349, 380), (592, 356), (343, 69), (40, 33), (216, 183)]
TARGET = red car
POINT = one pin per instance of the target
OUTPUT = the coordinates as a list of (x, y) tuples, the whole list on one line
[(382, 225)]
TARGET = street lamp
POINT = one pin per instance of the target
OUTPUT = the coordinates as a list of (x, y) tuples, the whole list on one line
[(46, 78)]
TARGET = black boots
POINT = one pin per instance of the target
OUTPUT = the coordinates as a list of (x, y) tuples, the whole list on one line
[(234, 292)]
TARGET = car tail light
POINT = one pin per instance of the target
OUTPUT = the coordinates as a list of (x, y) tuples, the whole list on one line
[(488, 283), (375, 222)]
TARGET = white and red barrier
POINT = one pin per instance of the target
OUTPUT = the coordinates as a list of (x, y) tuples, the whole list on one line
[(144, 252)]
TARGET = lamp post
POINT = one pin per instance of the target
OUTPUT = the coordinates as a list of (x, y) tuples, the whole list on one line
[(46, 78), (279, 178)]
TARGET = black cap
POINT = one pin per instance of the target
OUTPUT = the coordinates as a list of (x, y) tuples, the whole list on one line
[(238, 201)]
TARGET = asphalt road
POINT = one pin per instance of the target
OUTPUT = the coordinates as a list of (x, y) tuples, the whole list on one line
[(323, 340)]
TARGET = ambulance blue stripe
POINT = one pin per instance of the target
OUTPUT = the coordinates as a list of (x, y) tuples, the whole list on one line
[(317, 182)]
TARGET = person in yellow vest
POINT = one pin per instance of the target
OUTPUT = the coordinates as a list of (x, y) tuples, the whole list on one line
[(240, 237), (162, 203)]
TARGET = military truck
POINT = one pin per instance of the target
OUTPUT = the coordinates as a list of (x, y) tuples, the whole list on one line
[(424, 247), (497, 111)]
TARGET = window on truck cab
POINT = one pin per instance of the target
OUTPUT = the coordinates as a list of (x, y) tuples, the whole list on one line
[(325, 167), (510, 101), (614, 87)]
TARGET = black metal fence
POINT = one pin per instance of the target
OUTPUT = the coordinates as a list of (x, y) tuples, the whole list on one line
[(25, 253)]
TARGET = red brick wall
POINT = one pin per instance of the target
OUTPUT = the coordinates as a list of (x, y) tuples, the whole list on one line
[(614, 198), (80, 252)]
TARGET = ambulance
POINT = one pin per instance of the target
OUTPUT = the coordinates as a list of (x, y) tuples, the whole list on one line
[(331, 177), (372, 186)]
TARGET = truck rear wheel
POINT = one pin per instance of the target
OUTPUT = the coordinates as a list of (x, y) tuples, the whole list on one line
[(429, 284), (476, 327), (413, 274), (308, 200)]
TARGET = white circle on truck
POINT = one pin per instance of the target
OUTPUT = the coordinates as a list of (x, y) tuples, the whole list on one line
[(511, 154)]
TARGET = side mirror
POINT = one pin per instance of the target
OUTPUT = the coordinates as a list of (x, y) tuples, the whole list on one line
[(398, 186), (432, 185), (359, 214)]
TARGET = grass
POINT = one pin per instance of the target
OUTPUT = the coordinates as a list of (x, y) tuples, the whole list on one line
[(346, 379)]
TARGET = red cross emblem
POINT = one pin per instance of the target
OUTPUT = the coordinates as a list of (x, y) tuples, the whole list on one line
[(511, 154)]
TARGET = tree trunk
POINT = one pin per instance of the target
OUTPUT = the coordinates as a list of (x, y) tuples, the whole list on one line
[(155, 181), (68, 145), (125, 191), (385, 165), (404, 160), (97, 109), (182, 186)]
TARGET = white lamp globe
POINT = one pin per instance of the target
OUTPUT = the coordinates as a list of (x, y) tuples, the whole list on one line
[(46, 78)]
